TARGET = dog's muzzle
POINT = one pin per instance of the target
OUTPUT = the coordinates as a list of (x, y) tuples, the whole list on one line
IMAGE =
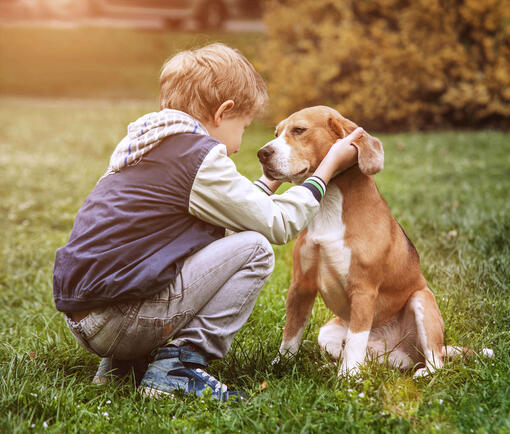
[(265, 154)]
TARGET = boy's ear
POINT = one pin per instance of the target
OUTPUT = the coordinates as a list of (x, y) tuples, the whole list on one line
[(223, 108)]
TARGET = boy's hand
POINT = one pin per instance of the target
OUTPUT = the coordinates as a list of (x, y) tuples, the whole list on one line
[(338, 150), (340, 157)]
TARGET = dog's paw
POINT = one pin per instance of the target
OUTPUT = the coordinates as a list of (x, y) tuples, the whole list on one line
[(334, 349), (282, 357), (348, 371), (276, 360), (422, 372), (331, 340), (487, 352)]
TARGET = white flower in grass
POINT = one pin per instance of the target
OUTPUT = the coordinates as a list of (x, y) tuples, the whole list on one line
[(105, 414), (45, 424), (109, 401), (440, 401)]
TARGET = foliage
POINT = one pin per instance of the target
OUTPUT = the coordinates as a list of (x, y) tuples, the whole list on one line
[(449, 191), (392, 64)]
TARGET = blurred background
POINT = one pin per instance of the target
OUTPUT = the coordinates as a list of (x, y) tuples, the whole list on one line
[(111, 49), (190, 14), (390, 65)]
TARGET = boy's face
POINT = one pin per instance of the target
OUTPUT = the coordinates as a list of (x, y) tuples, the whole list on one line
[(230, 132)]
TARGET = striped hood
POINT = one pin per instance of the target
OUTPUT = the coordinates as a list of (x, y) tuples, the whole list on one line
[(149, 131)]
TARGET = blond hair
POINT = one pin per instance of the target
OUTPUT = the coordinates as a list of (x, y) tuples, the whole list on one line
[(199, 81)]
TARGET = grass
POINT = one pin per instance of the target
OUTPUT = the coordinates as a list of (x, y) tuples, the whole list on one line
[(450, 192)]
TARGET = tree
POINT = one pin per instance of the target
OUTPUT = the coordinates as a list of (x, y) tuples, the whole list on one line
[(392, 64)]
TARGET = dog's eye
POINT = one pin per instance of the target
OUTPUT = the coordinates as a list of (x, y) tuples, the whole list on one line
[(297, 131)]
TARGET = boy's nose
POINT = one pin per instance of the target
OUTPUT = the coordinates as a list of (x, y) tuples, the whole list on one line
[(265, 153)]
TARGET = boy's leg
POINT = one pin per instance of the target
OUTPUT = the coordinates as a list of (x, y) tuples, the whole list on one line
[(219, 287), (229, 275), (208, 302)]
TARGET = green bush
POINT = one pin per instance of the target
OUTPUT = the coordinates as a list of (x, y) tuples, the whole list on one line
[(392, 64)]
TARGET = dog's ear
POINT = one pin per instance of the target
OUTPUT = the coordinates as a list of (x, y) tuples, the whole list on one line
[(370, 149)]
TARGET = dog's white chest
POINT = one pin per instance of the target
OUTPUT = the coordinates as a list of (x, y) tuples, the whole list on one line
[(324, 248)]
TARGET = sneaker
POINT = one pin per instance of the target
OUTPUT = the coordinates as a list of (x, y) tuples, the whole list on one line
[(181, 368), (103, 371), (112, 368)]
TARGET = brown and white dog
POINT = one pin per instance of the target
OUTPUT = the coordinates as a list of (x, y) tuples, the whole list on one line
[(356, 255)]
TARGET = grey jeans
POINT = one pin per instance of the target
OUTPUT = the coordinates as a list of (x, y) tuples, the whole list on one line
[(207, 303)]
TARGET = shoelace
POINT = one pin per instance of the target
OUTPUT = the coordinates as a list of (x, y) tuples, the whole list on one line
[(208, 377)]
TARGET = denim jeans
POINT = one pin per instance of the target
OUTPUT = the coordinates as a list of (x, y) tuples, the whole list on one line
[(207, 303)]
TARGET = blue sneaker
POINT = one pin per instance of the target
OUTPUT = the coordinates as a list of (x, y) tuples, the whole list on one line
[(181, 368)]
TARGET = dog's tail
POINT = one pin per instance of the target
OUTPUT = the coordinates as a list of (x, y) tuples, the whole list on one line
[(452, 352)]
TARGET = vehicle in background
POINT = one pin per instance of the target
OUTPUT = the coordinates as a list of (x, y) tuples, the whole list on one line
[(203, 14)]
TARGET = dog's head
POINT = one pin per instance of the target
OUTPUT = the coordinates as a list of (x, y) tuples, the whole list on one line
[(303, 140)]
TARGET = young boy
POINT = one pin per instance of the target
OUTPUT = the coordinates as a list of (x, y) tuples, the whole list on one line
[(148, 261)]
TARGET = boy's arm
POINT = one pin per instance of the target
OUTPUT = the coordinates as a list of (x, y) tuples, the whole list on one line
[(222, 196)]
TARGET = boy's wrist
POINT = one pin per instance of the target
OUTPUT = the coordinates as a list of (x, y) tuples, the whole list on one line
[(272, 184), (346, 158)]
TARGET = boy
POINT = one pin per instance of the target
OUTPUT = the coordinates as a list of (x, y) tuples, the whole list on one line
[(148, 261)]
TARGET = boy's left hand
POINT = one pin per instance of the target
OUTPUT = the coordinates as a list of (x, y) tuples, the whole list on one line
[(272, 184)]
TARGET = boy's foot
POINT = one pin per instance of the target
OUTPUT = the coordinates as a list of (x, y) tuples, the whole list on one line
[(104, 370), (181, 368), (109, 368)]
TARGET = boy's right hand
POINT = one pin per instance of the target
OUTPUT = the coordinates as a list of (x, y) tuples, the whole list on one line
[(340, 157), (340, 146)]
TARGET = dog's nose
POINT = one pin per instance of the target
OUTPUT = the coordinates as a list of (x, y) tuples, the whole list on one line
[(265, 153)]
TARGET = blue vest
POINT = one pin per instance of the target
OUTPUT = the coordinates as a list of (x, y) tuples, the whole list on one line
[(133, 232)]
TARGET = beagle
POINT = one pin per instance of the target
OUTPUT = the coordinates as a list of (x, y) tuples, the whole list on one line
[(356, 255)]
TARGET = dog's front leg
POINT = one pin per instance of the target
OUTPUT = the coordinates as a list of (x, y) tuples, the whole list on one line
[(362, 308), (300, 301)]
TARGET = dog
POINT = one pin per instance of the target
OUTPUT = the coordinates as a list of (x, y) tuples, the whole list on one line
[(356, 255)]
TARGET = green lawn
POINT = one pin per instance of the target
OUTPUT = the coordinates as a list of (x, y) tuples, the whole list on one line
[(53, 151)]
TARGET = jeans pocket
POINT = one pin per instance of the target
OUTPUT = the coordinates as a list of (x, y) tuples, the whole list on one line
[(76, 330), (96, 320), (105, 329), (140, 338), (156, 331)]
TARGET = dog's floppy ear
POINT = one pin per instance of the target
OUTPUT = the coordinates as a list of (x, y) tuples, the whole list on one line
[(370, 149)]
